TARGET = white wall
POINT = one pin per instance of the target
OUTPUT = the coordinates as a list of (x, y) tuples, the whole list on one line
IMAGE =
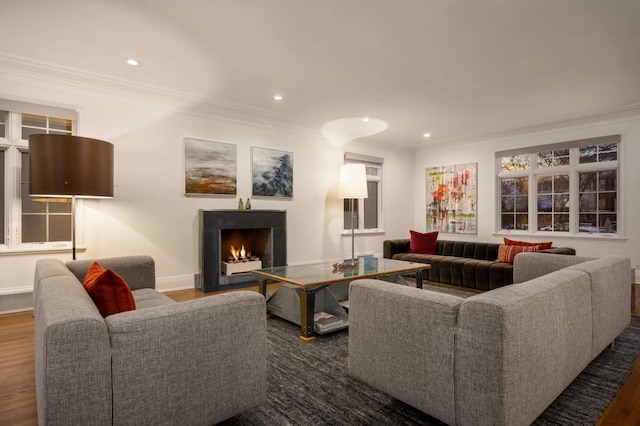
[(151, 215), (484, 154)]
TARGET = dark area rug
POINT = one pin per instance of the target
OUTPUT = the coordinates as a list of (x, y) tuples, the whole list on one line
[(309, 385)]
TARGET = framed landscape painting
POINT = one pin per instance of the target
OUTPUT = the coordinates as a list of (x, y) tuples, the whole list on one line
[(452, 198), (210, 168), (271, 173)]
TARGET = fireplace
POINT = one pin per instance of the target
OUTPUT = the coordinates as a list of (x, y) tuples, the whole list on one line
[(223, 236), (243, 250)]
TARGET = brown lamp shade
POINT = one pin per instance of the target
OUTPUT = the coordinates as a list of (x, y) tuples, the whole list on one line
[(65, 165)]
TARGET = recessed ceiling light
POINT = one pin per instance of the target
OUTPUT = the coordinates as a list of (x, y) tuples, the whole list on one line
[(277, 97), (133, 62), (426, 135)]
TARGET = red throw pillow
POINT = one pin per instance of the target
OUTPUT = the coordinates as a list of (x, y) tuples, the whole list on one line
[(108, 290), (541, 246), (423, 243), (507, 253), (94, 270)]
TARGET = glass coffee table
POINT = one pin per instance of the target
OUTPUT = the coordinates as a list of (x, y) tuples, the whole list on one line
[(303, 282)]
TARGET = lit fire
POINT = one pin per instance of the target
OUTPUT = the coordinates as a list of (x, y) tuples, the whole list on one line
[(239, 254), (240, 261)]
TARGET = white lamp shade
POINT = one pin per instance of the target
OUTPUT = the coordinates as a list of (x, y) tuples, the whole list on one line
[(353, 181)]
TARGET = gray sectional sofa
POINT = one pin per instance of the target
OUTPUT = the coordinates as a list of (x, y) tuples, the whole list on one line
[(165, 363), (495, 358), (469, 264)]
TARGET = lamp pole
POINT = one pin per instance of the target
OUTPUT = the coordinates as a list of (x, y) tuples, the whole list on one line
[(73, 226), (353, 234)]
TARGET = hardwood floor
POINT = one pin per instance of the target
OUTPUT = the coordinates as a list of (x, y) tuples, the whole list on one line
[(17, 381)]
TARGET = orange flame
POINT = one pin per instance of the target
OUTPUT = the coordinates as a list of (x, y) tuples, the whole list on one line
[(238, 254)]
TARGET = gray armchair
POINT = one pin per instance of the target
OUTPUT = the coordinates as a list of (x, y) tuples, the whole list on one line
[(165, 363)]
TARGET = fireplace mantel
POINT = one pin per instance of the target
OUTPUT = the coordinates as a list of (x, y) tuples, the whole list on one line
[(213, 222)]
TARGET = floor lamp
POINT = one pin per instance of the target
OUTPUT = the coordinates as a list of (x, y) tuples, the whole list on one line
[(353, 184), (65, 166)]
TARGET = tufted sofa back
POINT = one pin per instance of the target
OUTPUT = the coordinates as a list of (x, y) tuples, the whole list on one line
[(468, 249)]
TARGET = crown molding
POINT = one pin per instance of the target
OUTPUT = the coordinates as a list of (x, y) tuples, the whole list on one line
[(215, 109), (182, 102), (612, 114)]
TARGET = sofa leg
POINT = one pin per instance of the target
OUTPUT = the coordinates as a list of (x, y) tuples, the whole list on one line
[(612, 343)]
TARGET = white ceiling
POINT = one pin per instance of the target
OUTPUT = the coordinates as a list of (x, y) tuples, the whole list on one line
[(458, 69)]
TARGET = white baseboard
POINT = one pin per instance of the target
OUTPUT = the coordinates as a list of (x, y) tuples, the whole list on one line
[(16, 300), (178, 282)]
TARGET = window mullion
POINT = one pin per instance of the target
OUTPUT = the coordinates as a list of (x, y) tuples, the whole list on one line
[(533, 193), (13, 183), (360, 214), (574, 191), (574, 202), (594, 167), (17, 220)]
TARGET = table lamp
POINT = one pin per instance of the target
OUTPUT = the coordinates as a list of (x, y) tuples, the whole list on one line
[(353, 184)]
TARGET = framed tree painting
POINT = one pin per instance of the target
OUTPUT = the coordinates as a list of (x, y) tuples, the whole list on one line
[(452, 198), (210, 168), (271, 173)]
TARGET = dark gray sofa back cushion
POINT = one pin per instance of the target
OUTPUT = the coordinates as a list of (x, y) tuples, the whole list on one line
[(138, 271), (468, 249)]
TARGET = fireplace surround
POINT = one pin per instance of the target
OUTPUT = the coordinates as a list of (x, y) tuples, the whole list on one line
[(262, 232)]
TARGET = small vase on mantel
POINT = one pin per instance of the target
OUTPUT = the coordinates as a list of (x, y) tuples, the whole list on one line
[(248, 204), (240, 205)]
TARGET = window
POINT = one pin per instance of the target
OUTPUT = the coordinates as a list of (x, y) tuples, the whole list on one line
[(570, 187), (553, 202), (368, 211), (42, 221), (27, 221), (515, 203)]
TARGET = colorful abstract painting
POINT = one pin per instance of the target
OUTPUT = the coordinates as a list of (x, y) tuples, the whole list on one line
[(210, 168), (271, 173), (452, 198)]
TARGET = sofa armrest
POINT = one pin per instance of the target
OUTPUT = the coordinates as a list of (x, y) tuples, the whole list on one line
[(610, 294), (518, 347), (391, 247), (195, 362), (138, 271), (72, 354), (560, 250), (527, 266), (401, 341)]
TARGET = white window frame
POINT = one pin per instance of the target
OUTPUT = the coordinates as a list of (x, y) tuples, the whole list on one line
[(573, 169), (13, 146), (375, 162)]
